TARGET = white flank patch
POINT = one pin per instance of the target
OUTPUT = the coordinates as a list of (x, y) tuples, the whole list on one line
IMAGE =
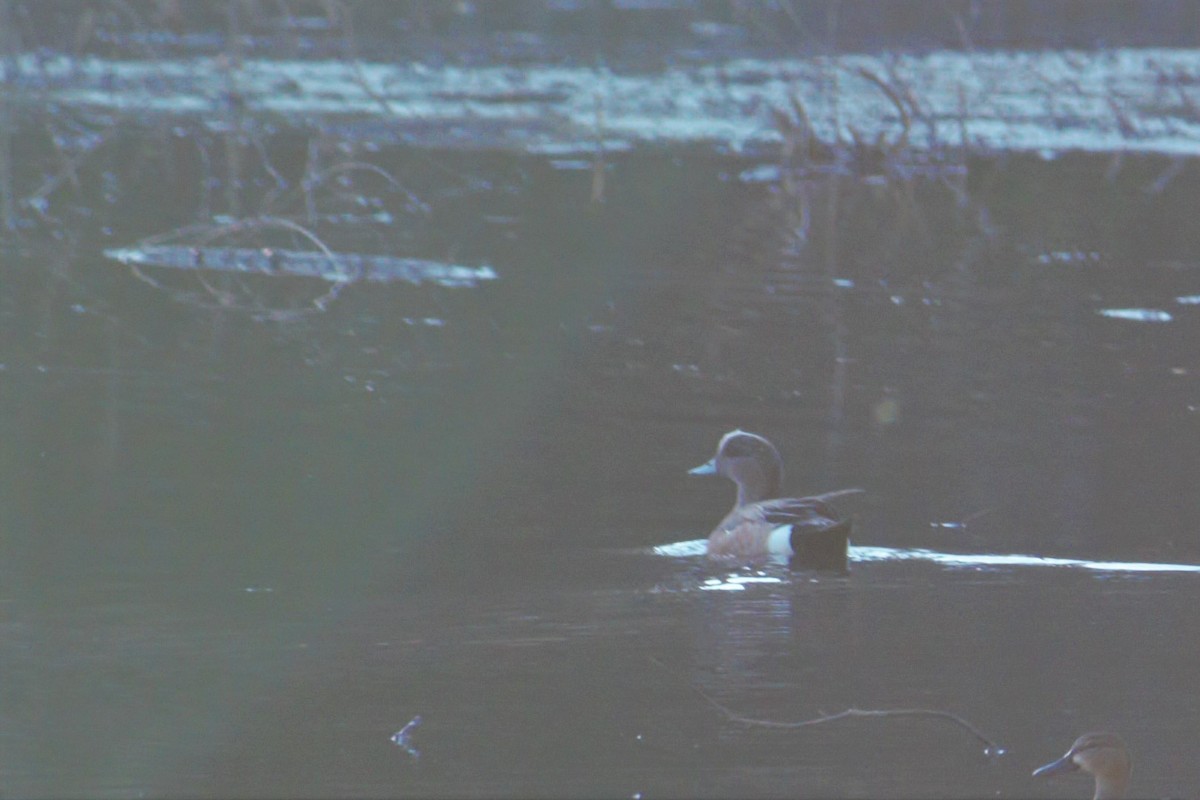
[(779, 543)]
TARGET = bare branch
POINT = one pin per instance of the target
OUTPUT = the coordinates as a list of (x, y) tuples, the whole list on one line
[(990, 747), (890, 92)]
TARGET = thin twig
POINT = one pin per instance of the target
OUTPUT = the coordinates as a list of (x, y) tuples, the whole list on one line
[(990, 746), (897, 101), (340, 12), (972, 517), (69, 171), (205, 234), (598, 165), (316, 178)]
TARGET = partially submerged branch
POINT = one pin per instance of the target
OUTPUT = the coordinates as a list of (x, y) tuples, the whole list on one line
[(990, 747)]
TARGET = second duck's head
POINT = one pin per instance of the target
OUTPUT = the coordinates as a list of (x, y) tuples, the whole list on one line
[(1102, 755), (748, 460)]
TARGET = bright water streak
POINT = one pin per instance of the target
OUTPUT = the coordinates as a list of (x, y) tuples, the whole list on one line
[(697, 547), (971, 560)]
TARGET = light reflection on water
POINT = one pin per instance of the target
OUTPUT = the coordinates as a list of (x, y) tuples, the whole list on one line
[(697, 548), (991, 560), (1136, 314), (737, 583), (674, 105)]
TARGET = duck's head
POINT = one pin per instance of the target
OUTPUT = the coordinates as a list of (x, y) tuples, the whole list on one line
[(1102, 755), (748, 460)]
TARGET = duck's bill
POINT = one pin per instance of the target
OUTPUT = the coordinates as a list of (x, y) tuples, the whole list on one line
[(709, 468), (1064, 764)]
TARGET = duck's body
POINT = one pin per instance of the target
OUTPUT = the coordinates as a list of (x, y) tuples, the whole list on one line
[(806, 531), (1101, 755)]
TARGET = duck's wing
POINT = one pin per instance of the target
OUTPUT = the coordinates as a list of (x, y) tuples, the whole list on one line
[(835, 493), (799, 511)]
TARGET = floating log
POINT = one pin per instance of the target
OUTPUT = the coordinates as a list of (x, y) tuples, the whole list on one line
[(335, 268)]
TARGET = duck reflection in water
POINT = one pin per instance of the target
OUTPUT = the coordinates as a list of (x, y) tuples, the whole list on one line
[(1102, 755), (805, 531)]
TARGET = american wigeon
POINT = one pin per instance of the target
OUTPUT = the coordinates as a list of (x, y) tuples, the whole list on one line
[(1102, 755), (805, 530)]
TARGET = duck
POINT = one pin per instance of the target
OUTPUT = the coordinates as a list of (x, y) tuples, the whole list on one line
[(805, 531), (1101, 755)]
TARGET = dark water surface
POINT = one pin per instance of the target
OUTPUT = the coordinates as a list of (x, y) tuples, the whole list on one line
[(240, 555)]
